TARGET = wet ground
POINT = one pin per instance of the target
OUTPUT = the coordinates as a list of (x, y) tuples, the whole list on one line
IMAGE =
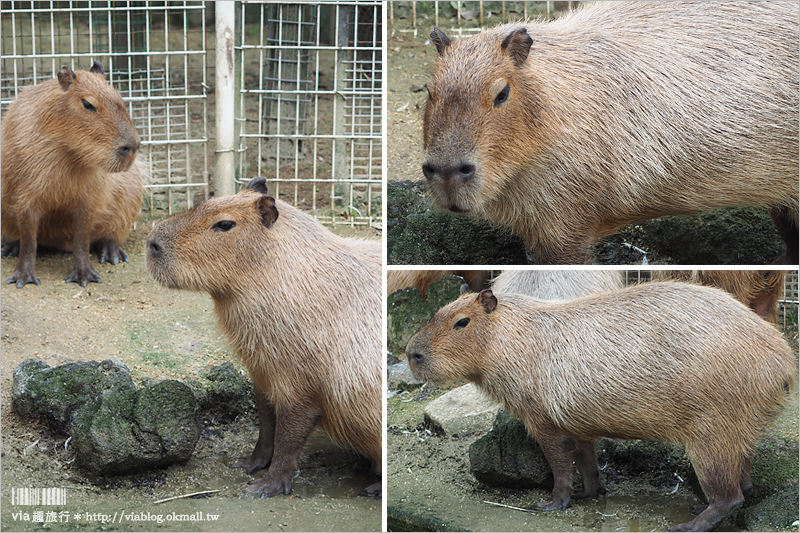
[(158, 334)]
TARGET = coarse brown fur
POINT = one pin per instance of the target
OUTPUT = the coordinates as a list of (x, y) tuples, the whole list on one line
[(557, 284), (658, 361), (421, 279), (757, 289), (614, 114), (301, 308), (69, 174)]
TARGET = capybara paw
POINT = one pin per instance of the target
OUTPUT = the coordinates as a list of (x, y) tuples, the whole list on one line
[(251, 464), (110, 252), (590, 494), (373, 491), (552, 505), (23, 278), (697, 509), (269, 487), (82, 276), (9, 249)]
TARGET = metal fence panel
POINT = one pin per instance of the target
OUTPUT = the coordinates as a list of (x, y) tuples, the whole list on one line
[(154, 54)]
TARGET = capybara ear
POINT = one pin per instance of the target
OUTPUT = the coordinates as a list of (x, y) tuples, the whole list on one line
[(517, 44), (97, 68), (464, 288), (266, 207), (65, 77), (487, 300), (258, 185), (441, 40)]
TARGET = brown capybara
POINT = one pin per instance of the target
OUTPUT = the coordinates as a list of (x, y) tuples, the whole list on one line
[(757, 289), (69, 174), (421, 279), (657, 361), (301, 308), (557, 284), (617, 113)]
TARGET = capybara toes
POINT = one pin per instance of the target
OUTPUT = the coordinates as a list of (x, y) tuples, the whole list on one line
[(657, 361), (300, 306), (69, 174), (617, 113)]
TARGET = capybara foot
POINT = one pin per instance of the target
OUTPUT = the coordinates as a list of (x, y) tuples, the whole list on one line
[(251, 464), (268, 486), (373, 491), (82, 276), (557, 504), (697, 509), (23, 277), (110, 252), (590, 495), (9, 249)]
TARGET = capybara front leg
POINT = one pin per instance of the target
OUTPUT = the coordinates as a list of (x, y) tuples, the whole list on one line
[(9, 249), (558, 449), (26, 263), (292, 428), (110, 252), (586, 461), (262, 454), (82, 272)]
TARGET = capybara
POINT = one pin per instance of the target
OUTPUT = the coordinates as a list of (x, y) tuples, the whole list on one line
[(421, 279), (301, 308), (657, 361), (757, 289), (557, 284), (617, 113), (69, 174)]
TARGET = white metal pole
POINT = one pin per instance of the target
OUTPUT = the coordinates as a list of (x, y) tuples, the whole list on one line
[(224, 184)]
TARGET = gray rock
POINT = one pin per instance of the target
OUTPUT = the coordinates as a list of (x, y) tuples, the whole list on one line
[(462, 411), (54, 394), (223, 393), (508, 457), (399, 374), (775, 513), (137, 430)]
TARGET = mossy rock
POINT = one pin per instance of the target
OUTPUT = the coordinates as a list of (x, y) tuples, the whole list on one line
[(223, 393), (407, 311), (775, 513)]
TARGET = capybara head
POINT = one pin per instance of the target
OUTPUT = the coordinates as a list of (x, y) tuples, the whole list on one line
[(89, 116), (482, 113), (213, 246), (447, 347)]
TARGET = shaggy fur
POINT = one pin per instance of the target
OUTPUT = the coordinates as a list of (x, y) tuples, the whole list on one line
[(657, 361), (69, 173), (617, 113), (421, 279), (557, 284), (301, 308)]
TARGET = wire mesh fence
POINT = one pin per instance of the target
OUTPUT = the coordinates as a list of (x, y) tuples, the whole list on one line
[(154, 54), (309, 111)]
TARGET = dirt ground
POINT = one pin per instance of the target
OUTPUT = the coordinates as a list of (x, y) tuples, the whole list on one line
[(159, 334)]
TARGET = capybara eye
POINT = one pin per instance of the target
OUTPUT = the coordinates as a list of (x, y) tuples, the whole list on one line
[(503, 95), (87, 105), (461, 323), (224, 225)]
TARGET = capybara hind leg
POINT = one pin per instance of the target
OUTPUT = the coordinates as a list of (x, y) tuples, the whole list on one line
[(110, 252), (787, 227), (292, 428), (719, 473), (586, 460), (82, 272), (558, 449), (9, 249), (373, 491), (262, 454)]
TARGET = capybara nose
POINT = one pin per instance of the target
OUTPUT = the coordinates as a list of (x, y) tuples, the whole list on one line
[(415, 357), (128, 148), (153, 248), (463, 171)]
